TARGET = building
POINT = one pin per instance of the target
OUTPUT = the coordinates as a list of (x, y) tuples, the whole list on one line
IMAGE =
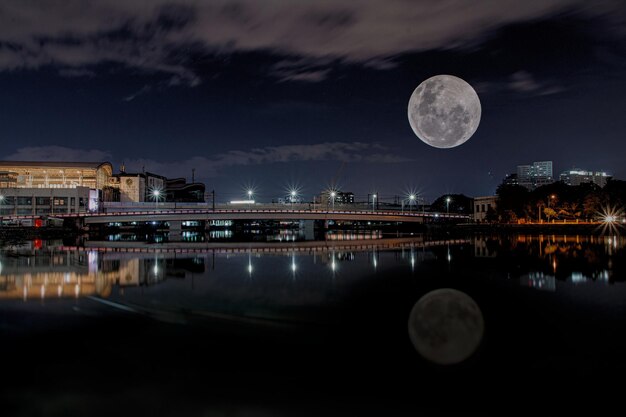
[(136, 187), (579, 176), (535, 175), (510, 179), (483, 206), (29, 174), (47, 201), (179, 190), (340, 198)]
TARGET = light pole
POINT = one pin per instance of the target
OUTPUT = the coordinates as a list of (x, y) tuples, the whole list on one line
[(373, 201), (333, 194), (448, 206), (156, 194), (411, 201), (250, 192), (293, 196), (2, 214)]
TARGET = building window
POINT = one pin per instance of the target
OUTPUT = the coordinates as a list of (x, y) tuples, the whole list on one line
[(24, 201), (43, 201)]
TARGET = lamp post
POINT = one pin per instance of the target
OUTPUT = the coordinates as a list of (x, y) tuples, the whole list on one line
[(293, 196), (250, 193), (333, 194), (411, 201), (156, 194), (2, 214), (374, 201), (448, 206)]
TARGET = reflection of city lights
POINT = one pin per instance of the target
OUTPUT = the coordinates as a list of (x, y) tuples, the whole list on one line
[(333, 265)]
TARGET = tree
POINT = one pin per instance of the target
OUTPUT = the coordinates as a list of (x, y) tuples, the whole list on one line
[(512, 200), (459, 203), (549, 212)]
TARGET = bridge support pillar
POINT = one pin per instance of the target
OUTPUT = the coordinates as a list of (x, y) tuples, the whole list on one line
[(175, 230), (308, 228)]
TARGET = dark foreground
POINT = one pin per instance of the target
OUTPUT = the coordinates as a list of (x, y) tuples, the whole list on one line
[(541, 351)]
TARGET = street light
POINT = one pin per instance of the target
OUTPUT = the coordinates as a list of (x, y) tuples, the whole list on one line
[(156, 194), (293, 194), (250, 193), (448, 206), (411, 200), (373, 201), (333, 194)]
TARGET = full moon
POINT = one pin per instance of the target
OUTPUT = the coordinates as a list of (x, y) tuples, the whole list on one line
[(444, 111), (446, 326)]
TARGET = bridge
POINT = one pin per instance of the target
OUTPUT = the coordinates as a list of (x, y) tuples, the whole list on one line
[(176, 215)]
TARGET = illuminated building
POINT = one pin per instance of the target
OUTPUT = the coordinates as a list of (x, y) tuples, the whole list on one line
[(134, 187), (14, 174), (579, 176), (535, 175), (47, 201)]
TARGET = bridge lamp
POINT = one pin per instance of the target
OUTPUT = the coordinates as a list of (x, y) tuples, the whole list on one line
[(333, 194), (374, 201), (411, 201), (448, 199)]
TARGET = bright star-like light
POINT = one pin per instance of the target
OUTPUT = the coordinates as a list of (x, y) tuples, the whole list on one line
[(609, 218)]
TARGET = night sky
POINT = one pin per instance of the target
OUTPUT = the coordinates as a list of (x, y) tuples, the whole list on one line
[(312, 93)]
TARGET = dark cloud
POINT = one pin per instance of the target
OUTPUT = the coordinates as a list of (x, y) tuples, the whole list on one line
[(159, 36), (212, 166)]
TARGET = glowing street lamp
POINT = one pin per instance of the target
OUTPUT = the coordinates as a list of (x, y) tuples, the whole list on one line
[(374, 201), (411, 201), (293, 195), (333, 194), (448, 199), (250, 193), (156, 194)]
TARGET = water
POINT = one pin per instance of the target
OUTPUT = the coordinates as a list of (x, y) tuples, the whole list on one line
[(281, 325)]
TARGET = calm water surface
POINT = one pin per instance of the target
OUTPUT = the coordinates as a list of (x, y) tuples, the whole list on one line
[(281, 325)]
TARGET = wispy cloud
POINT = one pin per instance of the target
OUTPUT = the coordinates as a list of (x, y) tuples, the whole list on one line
[(524, 82), (329, 151), (58, 153), (167, 36), (143, 90)]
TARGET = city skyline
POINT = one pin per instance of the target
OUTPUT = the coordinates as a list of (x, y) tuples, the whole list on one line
[(161, 87)]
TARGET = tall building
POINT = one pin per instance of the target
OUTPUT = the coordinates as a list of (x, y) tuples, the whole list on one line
[(579, 176), (535, 175)]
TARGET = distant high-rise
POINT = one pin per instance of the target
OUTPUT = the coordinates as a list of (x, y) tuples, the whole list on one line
[(579, 176), (537, 174)]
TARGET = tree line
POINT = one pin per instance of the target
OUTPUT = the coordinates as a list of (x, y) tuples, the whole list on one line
[(558, 201)]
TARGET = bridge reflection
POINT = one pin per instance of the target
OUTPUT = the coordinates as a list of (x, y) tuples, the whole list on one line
[(57, 271)]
